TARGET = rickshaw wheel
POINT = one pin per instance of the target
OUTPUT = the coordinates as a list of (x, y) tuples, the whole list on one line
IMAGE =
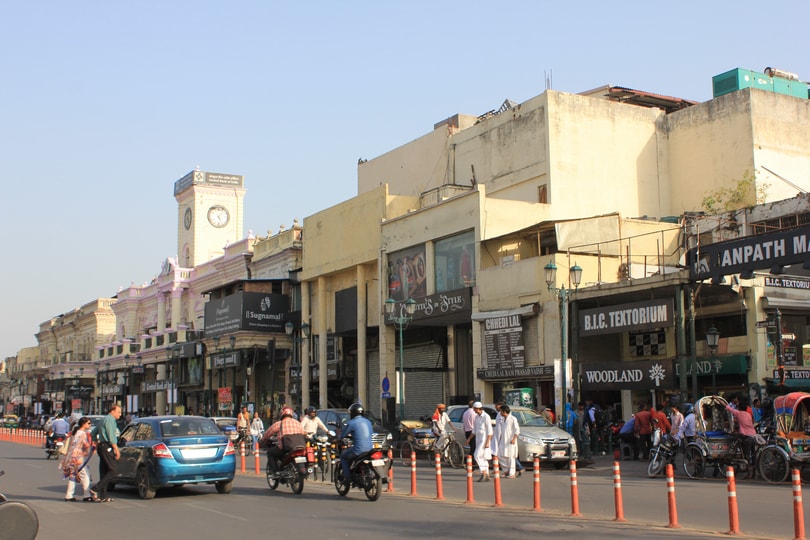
[(406, 453), (694, 464), (773, 465), (805, 473)]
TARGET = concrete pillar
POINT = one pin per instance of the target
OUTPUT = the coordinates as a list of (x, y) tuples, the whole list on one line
[(305, 317), (161, 311), (322, 336), (161, 397), (362, 361)]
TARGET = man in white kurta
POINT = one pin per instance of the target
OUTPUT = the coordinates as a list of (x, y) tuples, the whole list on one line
[(496, 430), (507, 441), (482, 431)]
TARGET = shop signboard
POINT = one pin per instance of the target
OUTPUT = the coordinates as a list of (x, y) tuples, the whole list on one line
[(641, 375), (503, 342), (632, 317)]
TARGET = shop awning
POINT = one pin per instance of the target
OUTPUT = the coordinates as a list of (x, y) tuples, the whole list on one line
[(789, 384), (770, 302), (524, 311)]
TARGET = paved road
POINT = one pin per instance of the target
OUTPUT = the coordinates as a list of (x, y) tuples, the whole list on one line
[(252, 510)]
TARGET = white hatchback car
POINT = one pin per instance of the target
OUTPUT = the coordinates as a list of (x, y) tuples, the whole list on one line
[(537, 436)]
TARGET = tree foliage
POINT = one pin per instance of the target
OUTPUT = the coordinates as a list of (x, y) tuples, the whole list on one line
[(745, 192)]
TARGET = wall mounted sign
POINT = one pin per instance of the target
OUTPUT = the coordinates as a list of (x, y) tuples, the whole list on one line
[(627, 317)]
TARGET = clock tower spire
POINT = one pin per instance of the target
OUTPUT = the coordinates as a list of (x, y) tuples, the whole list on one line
[(209, 215)]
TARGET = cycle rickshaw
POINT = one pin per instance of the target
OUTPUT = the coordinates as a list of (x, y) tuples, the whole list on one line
[(792, 413), (715, 444), (418, 436)]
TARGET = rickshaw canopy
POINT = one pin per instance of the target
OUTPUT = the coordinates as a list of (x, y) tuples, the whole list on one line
[(791, 412)]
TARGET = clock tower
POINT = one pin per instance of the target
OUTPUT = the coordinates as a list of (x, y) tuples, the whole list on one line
[(209, 215)]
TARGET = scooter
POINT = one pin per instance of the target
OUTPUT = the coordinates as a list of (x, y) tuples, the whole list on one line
[(20, 521), (292, 470), (52, 449), (369, 471)]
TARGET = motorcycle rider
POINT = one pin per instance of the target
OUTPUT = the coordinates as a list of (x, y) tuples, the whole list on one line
[(288, 433), (686, 433), (60, 427), (311, 423), (360, 430)]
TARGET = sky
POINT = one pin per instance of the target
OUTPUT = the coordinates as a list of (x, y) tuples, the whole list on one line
[(103, 105)]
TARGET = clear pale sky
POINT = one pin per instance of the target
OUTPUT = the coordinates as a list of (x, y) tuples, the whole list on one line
[(103, 105)]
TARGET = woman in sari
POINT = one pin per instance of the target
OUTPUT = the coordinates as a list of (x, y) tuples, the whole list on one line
[(74, 467)]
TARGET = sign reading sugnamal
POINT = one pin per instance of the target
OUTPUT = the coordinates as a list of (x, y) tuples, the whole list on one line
[(626, 317)]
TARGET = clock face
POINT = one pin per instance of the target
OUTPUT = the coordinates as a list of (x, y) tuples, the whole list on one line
[(218, 216), (187, 219)]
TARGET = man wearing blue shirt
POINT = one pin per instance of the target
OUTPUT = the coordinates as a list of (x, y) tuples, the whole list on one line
[(360, 430), (60, 427)]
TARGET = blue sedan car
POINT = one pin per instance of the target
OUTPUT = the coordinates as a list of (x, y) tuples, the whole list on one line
[(161, 451)]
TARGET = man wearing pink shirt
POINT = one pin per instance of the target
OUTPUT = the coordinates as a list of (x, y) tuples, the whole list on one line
[(745, 429), (467, 422)]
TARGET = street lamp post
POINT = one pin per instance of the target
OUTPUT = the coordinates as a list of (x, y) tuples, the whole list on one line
[(298, 336), (211, 378), (401, 320), (712, 340), (575, 275)]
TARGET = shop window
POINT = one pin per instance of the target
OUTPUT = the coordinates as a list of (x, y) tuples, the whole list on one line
[(455, 262)]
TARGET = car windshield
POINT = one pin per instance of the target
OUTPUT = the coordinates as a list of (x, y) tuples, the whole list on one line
[(181, 427), (526, 418)]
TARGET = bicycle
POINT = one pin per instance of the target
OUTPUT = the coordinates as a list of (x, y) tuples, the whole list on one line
[(243, 435)]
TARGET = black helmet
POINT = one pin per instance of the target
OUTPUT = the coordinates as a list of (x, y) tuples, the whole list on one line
[(356, 410), (310, 409)]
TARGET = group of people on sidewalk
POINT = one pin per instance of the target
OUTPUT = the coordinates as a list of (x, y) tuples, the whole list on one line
[(486, 441)]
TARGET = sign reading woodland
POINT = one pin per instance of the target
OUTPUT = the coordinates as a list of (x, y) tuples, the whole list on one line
[(641, 375)]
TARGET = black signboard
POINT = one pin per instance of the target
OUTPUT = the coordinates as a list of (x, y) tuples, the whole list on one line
[(757, 252), (529, 372), (641, 375), (252, 311), (503, 342), (627, 317)]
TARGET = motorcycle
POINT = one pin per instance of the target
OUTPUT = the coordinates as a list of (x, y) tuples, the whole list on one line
[(663, 451), (20, 521), (54, 448), (292, 470), (369, 471)]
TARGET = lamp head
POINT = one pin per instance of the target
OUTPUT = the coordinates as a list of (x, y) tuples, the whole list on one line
[(305, 330), (712, 338), (551, 274), (389, 305), (288, 328), (410, 306), (232, 339), (575, 273)]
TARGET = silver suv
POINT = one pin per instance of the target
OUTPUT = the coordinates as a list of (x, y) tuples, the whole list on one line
[(537, 437)]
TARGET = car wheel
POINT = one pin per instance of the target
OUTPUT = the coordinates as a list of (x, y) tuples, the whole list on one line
[(224, 487), (145, 489)]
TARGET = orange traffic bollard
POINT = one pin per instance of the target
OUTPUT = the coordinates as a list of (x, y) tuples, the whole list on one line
[(439, 488), (536, 506), (496, 470), (470, 498), (733, 513), (617, 491), (413, 475), (798, 510), (242, 451), (673, 509), (574, 489), (257, 458), (390, 471)]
